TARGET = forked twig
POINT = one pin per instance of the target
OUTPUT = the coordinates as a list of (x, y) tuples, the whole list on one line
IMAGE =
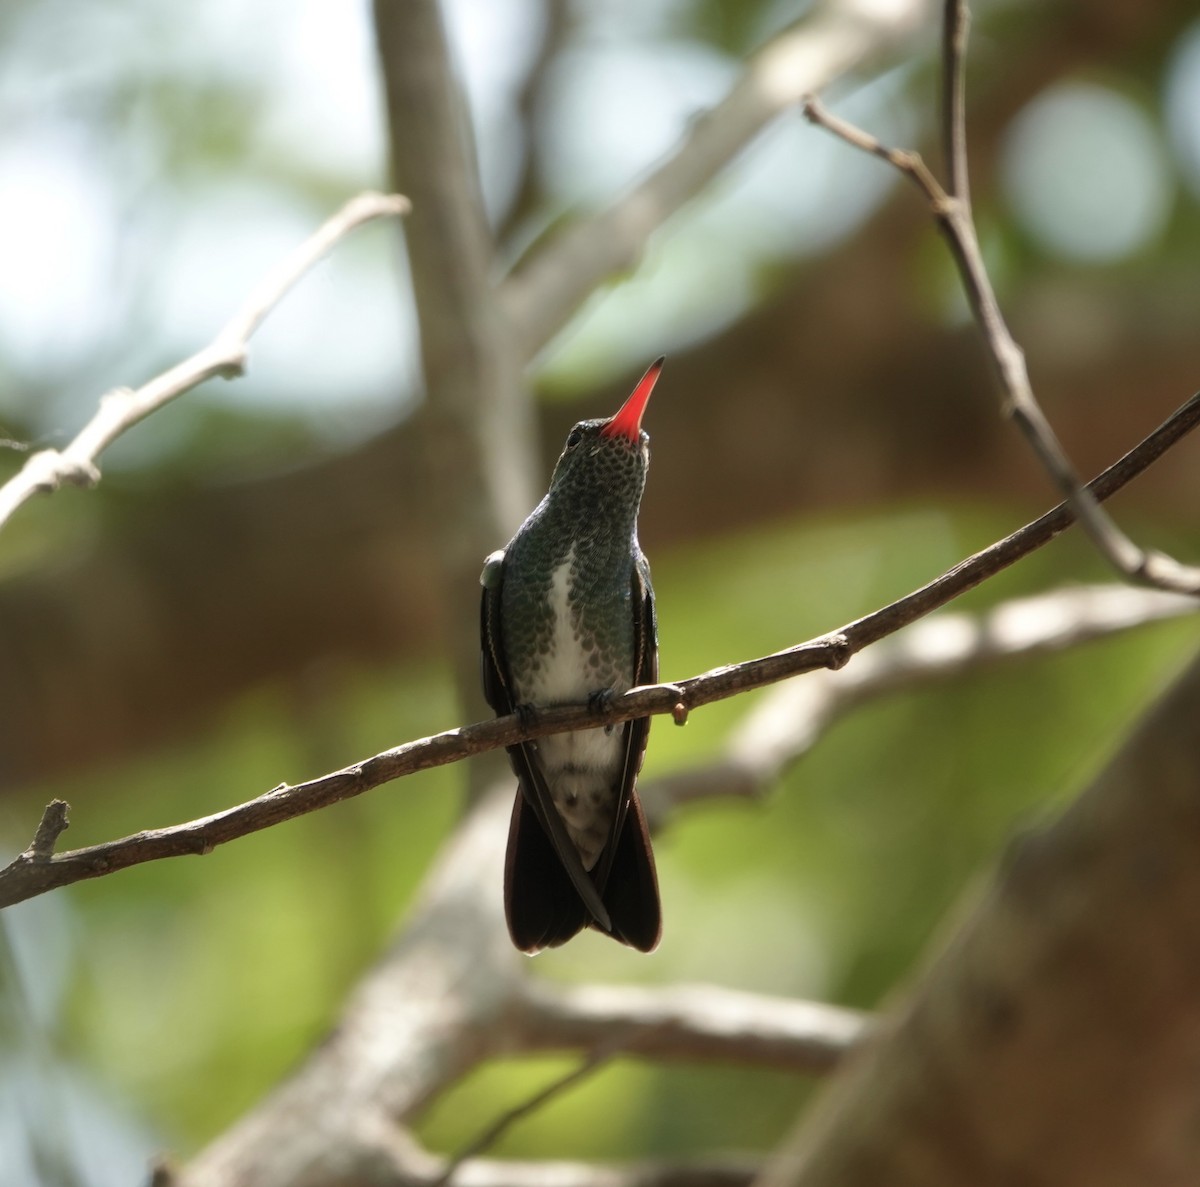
[(952, 210), (225, 355)]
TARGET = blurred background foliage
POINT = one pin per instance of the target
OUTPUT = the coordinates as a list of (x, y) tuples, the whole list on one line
[(824, 440)]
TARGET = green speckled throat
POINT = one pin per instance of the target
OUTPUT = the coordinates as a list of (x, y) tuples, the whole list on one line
[(589, 513)]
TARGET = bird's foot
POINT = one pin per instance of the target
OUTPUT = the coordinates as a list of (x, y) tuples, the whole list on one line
[(527, 715), (600, 700)]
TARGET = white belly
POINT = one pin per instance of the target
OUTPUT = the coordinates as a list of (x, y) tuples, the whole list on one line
[(583, 768)]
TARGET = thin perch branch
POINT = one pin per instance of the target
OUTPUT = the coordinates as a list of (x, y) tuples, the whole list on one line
[(29, 875), (787, 723), (225, 355)]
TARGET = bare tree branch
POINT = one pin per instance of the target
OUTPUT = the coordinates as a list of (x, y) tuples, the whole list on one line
[(701, 1172), (688, 1022), (477, 429), (431, 1008), (453, 1018), (448, 994), (384, 1156), (225, 355), (549, 284), (680, 1022), (953, 214), (31, 874), (452, 992), (557, 23), (955, 23), (786, 724)]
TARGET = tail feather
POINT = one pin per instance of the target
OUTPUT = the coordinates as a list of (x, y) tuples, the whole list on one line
[(631, 894), (544, 909), (541, 905)]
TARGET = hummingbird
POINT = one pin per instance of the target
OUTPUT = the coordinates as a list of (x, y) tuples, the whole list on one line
[(568, 617)]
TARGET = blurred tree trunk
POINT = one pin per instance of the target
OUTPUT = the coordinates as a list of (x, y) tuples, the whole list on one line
[(476, 430), (1056, 1038)]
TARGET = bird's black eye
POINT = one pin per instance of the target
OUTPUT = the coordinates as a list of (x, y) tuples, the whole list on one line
[(574, 437)]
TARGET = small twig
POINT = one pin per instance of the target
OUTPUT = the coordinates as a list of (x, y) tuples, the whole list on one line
[(953, 214), (55, 821), (122, 408), (713, 1171), (527, 192), (24, 878), (600, 1055), (955, 26)]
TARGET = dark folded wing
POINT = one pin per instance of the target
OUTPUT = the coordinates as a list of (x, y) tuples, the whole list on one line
[(626, 873), (543, 898)]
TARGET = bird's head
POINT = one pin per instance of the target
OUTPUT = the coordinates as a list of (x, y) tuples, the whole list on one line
[(612, 453)]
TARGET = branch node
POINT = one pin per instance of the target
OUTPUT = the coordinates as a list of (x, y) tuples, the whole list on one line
[(946, 208), (233, 365), (78, 472), (837, 650), (679, 707), (53, 824), (44, 469)]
